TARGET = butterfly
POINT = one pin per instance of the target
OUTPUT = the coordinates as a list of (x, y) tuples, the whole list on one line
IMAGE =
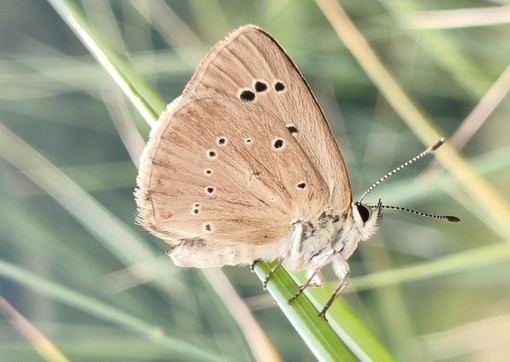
[(243, 166)]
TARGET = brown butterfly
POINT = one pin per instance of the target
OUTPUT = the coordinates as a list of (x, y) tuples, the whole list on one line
[(243, 166)]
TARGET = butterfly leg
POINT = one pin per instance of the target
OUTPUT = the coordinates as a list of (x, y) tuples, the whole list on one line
[(252, 265), (297, 238), (315, 278), (343, 271), (271, 272)]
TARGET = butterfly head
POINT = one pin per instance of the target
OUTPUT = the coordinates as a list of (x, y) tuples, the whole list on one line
[(366, 218)]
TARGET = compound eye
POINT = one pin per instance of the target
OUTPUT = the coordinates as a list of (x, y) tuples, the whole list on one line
[(363, 212)]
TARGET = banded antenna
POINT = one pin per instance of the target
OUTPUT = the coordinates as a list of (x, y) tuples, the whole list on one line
[(395, 170)]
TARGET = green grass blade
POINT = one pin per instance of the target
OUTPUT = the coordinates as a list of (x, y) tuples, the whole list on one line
[(139, 93), (316, 332), (353, 331)]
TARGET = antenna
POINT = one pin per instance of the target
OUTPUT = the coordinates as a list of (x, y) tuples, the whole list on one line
[(440, 217), (405, 164)]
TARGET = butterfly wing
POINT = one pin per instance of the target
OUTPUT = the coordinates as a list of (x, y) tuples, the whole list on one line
[(220, 170), (250, 65)]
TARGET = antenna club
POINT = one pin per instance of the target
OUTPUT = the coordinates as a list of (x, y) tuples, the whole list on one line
[(452, 219), (437, 145)]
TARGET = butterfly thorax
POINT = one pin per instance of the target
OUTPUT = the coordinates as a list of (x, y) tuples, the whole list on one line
[(315, 243)]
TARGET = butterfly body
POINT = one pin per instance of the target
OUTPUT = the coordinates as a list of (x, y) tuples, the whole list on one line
[(243, 166)]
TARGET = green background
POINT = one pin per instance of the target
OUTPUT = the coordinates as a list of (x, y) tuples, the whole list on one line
[(74, 264)]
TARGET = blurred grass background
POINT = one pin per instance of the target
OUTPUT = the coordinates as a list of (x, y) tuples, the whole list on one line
[(74, 264)]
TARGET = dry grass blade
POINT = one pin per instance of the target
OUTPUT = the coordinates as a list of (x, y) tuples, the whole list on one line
[(479, 114), (460, 18), (43, 345)]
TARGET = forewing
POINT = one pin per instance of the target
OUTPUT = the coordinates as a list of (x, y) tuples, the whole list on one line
[(249, 64)]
